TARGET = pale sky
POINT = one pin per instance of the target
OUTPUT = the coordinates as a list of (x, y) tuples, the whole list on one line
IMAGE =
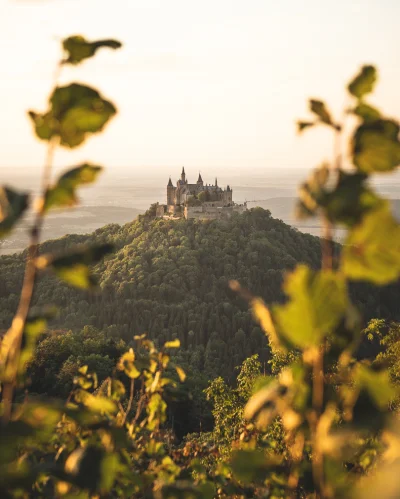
[(200, 83)]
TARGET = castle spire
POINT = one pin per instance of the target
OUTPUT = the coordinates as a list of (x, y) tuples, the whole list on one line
[(170, 182), (183, 175), (199, 180), (216, 182)]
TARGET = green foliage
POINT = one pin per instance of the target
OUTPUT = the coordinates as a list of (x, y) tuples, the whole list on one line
[(75, 111), (364, 82), (367, 256), (78, 49), (63, 192), (318, 302), (376, 146), (12, 206), (73, 267)]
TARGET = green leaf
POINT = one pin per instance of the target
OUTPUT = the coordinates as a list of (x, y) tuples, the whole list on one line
[(366, 112), (78, 48), (312, 192), (377, 384), (92, 468), (319, 108), (364, 82), (372, 249), (317, 303), (350, 200), (127, 364), (262, 407), (253, 465), (186, 489), (156, 411), (12, 206), (63, 192), (75, 111), (74, 267), (376, 146), (95, 403)]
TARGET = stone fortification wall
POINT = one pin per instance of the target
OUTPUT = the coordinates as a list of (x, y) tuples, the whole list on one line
[(209, 212)]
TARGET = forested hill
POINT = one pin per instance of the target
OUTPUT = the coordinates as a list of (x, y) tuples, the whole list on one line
[(170, 279)]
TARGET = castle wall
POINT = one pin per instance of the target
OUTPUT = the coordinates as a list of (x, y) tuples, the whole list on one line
[(212, 212)]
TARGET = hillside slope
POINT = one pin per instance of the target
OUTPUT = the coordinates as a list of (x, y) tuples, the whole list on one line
[(170, 279)]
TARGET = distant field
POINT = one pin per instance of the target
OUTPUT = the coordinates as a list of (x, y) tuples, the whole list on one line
[(73, 221), (283, 208)]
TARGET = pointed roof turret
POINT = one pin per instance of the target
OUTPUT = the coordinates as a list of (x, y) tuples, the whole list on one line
[(199, 180), (170, 183), (216, 182), (183, 174)]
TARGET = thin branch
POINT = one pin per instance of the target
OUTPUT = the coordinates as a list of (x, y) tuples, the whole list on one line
[(129, 406), (12, 340)]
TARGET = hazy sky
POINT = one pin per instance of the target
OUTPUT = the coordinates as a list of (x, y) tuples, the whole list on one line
[(208, 84)]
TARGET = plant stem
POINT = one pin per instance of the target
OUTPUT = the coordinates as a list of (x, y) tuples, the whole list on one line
[(12, 340)]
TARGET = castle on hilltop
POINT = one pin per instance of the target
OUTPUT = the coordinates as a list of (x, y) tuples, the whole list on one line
[(199, 200)]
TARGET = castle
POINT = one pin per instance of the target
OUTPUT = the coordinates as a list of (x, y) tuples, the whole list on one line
[(199, 200)]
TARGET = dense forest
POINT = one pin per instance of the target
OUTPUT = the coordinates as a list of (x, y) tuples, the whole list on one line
[(170, 279)]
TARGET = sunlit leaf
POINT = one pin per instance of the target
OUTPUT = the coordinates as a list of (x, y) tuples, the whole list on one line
[(317, 303), (74, 266), (263, 315), (181, 373), (372, 249), (12, 206), (127, 364), (74, 112), (78, 48), (172, 344), (95, 403), (63, 192), (156, 411), (364, 82), (262, 406), (376, 146)]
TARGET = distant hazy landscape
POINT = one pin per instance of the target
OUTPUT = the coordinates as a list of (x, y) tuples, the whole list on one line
[(122, 194)]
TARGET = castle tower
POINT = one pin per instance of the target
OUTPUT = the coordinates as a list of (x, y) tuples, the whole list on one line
[(200, 180), (216, 182), (170, 193), (183, 175)]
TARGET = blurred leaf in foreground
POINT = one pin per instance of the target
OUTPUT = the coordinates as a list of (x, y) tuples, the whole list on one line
[(78, 48), (372, 249), (75, 111), (63, 192), (364, 82), (12, 206), (317, 303), (74, 267)]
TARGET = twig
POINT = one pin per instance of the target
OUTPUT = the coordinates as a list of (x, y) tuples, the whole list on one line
[(129, 406), (12, 340)]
